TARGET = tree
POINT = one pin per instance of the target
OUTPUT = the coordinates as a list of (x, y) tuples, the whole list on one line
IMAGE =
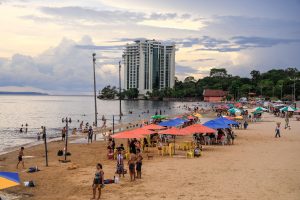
[(189, 79), (218, 72), (132, 93), (108, 92)]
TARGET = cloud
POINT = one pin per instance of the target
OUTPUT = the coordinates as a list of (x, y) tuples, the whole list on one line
[(64, 69)]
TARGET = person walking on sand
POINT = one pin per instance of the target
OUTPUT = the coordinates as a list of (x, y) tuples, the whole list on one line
[(20, 157), (98, 181), (131, 166), (90, 134), (277, 130), (287, 122), (26, 128), (120, 163), (139, 164)]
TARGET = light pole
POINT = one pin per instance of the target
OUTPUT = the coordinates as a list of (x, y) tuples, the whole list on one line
[(120, 102), (66, 139), (95, 98)]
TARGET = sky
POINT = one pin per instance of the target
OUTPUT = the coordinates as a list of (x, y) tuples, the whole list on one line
[(47, 46)]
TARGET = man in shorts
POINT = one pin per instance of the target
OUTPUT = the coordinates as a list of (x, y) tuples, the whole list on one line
[(120, 163), (20, 158)]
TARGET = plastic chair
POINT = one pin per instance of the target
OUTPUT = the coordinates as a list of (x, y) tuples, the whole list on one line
[(190, 154)]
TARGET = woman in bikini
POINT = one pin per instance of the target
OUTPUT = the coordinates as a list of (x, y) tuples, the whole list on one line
[(131, 165), (98, 181)]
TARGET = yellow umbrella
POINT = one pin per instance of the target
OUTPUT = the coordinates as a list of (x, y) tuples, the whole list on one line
[(197, 115), (238, 117)]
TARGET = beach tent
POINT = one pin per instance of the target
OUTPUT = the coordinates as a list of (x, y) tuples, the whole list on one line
[(196, 128), (227, 121), (158, 117), (287, 109), (216, 124), (9, 179), (153, 127)]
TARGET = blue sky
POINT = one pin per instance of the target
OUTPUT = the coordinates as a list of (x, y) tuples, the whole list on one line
[(47, 45)]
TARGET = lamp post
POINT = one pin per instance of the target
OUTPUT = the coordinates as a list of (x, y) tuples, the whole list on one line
[(66, 139), (45, 143), (95, 98), (120, 101)]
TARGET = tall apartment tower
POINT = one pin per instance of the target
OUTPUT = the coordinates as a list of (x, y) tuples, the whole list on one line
[(148, 65)]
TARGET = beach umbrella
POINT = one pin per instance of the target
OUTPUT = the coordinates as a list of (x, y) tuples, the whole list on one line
[(235, 111), (260, 109), (297, 111), (216, 124), (136, 133), (9, 179), (153, 127), (197, 115), (158, 117), (287, 109), (238, 105), (196, 128), (227, 121)]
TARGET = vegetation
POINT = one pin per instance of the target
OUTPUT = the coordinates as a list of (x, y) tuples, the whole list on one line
[(109, 92), (275, 84)]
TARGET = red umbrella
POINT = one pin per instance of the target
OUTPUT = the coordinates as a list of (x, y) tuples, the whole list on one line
[(153, 127), (197, 128), (127, 135)]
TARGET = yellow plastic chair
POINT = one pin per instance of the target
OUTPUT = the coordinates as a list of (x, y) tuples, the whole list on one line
[(190, 154)]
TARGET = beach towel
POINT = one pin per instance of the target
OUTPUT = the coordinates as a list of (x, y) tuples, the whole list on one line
[(33, 169)]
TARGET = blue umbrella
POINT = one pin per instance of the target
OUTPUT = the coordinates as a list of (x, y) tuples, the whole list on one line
[(216, 124), (173, 122), (226, 121)]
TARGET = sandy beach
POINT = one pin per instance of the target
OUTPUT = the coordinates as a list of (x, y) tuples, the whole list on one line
[(257, 166)]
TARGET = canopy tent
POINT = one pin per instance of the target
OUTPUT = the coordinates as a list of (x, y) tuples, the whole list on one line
[(153, 127), (260, 109), (158, 117), (172, 131), (228, 117), (9, 179), (287, 109), (216, 124), (173, 122), (227, 121), (135, 133), (196, 128)]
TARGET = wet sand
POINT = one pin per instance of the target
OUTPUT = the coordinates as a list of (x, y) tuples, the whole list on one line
[(257, 166)]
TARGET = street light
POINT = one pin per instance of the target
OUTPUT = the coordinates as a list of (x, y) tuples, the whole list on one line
[(120, 90), (95, 98)]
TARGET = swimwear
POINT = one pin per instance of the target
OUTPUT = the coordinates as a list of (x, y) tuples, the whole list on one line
[(131, 167), (139, 166), (20, 158), (98, 178)]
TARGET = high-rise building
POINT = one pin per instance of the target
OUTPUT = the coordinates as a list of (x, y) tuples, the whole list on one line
[(148, 65)]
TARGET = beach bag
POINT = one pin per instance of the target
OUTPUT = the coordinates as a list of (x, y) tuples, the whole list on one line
[(29, 184)]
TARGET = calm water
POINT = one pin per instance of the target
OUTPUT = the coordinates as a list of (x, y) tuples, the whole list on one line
[(49, 110)]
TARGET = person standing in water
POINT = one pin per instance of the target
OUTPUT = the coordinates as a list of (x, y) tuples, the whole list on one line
[(20, 157), (26, 128), (63, 134)]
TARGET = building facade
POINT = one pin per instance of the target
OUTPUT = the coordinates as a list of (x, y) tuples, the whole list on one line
[(148, 65)]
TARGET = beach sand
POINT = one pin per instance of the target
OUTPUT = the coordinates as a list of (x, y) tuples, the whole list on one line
[(257, 166)]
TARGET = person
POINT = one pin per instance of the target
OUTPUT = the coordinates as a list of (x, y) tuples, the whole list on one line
[(121, 148), (139, 164), (98, 181), (131, 166), (113, 144), (120, 163), (63, 134), (21, 129), (287, 122), (20, 157), (277, 130), (197, 151), (133, 146), (74, 131), (245, 124), (145, 144), (90, 134), (26, 129), (38, 136)]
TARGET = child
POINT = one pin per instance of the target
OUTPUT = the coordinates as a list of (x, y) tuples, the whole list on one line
[(20, 157), (139, 164), (131, 165)]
